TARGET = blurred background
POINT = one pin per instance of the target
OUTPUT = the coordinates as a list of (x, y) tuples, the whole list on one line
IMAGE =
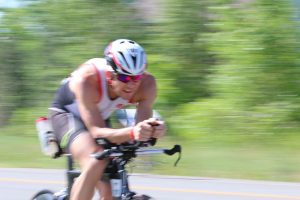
[(228, 74)]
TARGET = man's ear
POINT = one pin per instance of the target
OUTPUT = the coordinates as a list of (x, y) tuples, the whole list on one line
[(109, 77), (109, 81)]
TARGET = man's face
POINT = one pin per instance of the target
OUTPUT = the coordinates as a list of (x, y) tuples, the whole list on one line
[(125, 85)]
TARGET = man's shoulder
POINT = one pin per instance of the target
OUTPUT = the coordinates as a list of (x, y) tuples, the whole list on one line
[(96, 61), (149, 79), (87, 69), (99, 63), (147, 89)]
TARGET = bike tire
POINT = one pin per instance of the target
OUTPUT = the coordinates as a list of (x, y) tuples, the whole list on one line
[(142, 197), (44, 195)]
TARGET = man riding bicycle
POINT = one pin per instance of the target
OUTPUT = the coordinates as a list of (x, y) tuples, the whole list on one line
[(85, 101)]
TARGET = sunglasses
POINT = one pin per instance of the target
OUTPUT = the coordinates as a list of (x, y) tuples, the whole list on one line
[(126, 78)]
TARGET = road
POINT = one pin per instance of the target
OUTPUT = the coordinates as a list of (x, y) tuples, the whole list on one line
[(21, 184)]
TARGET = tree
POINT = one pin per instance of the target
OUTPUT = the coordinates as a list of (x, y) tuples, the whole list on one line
[(186, 34), (48, 39)]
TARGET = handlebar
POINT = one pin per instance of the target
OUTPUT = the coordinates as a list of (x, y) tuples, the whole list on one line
[(130, 151), (134, 144)]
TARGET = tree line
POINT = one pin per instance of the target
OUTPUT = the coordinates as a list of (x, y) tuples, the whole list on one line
[(220, 64)]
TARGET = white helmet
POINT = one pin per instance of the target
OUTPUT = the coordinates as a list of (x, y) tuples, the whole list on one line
[(126, 57)]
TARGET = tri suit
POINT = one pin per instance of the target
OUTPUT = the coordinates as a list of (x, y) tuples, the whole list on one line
[(64, 112)]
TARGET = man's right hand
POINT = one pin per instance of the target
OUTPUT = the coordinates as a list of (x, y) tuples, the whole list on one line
[(143, 131), (150, 128)]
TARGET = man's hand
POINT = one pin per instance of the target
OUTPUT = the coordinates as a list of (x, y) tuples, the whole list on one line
[(159, 127), (142, 131), (150, 128)]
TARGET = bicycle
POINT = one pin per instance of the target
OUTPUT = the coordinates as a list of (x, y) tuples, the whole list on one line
[(120, 156)]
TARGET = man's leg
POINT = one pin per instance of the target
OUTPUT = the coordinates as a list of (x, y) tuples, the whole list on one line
[(104, 189), (91, 168)]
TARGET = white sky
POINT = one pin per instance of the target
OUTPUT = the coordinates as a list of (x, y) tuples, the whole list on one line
[(9, 3)]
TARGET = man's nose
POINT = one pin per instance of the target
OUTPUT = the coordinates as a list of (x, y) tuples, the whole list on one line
[(132, 83)]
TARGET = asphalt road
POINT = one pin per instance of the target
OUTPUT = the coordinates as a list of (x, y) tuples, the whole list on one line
[(21, 184)]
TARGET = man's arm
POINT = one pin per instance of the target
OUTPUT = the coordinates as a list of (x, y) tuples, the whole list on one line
[(148, 96), (145, 108), (87, 95)]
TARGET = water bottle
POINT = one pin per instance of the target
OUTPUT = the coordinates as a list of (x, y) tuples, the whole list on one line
[(48, 142), (116, 185)]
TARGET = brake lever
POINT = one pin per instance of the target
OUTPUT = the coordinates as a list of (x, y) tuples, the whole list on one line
[(175, 149), (152, 141)]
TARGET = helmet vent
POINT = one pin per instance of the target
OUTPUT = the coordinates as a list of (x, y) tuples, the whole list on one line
[(124, 58), (134, 61)]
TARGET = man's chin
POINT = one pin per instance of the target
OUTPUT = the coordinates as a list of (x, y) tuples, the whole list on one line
[(127, 96)]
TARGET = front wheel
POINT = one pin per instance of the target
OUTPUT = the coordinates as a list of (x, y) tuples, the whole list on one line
[(43, 195), (142, 197)]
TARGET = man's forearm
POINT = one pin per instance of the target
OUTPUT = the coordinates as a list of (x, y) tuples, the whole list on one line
[(113, 135)]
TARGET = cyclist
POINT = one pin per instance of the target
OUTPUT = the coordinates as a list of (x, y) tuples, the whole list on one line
[(85, 100)]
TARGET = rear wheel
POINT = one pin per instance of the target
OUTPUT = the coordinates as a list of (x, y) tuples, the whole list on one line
[(43, 195)]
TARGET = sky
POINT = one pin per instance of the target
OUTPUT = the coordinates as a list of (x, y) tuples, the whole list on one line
[(9, 3)]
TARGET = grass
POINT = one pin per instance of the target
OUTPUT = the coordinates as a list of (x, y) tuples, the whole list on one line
[(269, 157), (240, 156), (24, 152)]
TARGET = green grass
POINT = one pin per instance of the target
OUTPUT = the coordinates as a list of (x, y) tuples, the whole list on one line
[(248, 156), (24, 151), (239, 156), (271, 157)]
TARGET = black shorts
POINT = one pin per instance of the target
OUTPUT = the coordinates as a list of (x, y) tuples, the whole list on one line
[(66, 127)]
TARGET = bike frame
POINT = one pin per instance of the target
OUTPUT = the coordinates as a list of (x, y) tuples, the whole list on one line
[(120, 155), (119, 158), (73, 173)]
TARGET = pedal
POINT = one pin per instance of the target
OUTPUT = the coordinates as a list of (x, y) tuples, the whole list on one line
[(61, 195)]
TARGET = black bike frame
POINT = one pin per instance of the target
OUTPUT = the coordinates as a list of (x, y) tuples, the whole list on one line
[(119, 158), (72, 173)]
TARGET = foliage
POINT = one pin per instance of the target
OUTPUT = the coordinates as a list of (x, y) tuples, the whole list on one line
[(185, 38), (254, 82), (242, 57), (226, 70), (46, 41)]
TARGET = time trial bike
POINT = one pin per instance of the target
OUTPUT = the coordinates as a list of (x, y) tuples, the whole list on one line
[(119, 156)]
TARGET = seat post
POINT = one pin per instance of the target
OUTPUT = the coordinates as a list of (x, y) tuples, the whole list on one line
[(69, 162)]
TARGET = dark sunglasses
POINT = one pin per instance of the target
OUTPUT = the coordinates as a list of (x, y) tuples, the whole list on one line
[(126, 78)]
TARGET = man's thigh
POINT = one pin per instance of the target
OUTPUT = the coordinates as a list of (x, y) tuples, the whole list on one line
[(82, 147)]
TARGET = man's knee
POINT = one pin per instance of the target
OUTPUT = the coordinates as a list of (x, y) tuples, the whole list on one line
[(95, 165)]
